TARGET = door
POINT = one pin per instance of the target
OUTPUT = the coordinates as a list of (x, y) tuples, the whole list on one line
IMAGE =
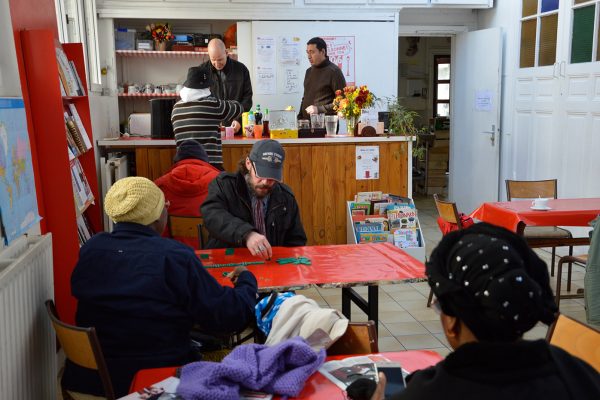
[(475, 118)]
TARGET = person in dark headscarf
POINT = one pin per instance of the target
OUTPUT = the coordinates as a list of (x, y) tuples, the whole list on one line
[(491, 288)]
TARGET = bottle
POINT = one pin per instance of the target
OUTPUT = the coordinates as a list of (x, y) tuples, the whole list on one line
[(258, 115), (244, 122), (266, 133), (250, 126)]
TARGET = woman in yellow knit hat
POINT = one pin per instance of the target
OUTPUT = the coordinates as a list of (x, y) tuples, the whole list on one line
[(143, 292)]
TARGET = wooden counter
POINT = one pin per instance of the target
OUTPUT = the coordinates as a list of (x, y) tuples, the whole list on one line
[(321, 172)]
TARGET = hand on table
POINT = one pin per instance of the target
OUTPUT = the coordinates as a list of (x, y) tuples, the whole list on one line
[(312, 110), (236, 126), (259, 245), (233, 275), (380, 389)]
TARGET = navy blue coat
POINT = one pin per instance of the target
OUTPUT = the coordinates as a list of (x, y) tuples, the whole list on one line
[(143, 293)]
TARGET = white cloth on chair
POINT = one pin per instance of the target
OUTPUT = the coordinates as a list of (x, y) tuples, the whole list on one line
[(301, 316)]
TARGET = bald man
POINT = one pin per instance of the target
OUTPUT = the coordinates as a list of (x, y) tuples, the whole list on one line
[(230, 79)]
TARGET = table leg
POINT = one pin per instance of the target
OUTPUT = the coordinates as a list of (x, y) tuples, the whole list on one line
[(370, 306)]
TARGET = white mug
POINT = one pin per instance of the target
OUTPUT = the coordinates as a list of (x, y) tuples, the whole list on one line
[(540, 202)]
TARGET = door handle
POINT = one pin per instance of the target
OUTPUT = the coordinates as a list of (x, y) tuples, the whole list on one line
[(492, 134)]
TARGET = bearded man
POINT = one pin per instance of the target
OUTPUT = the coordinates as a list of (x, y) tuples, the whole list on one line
[(252, 208)]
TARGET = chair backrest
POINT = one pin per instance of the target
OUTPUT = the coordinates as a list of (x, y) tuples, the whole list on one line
[(576, 338), (360, 338), (81, 347), (188, 229), (447, 211), (531, 189)]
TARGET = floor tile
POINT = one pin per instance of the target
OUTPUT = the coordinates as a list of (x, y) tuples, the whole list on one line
[(415, 342), (406, 328), (425, 314), (434, 326), (389, 344), (396, 316), (407, 295)]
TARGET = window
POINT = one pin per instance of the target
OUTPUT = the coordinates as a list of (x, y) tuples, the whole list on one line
[(585, 45), (539, 29), (77, 24), (441, 86)]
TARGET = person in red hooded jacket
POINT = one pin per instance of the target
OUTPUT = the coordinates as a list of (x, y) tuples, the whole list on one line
[(185, 185)]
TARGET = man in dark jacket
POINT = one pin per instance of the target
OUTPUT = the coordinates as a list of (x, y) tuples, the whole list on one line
[(143, 292), (321, 81), (230, 79), (490, 289), (252, 208)]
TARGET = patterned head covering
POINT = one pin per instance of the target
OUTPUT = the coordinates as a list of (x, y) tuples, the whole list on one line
[(491, 280)]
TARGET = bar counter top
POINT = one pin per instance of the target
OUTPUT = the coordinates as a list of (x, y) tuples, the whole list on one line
[(238, 140)]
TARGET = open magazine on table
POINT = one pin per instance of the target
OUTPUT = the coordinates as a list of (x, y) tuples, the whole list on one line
[(344, 372)]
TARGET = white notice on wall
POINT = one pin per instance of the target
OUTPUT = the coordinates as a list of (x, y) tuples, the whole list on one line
[(367, 162), (289, 50), (292, 81), (266, 76), (484, 100)]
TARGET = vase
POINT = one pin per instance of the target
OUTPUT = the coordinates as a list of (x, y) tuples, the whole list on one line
[(160, 46), (351, 122)]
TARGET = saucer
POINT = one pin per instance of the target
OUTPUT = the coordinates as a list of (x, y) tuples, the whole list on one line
[(544, 208)]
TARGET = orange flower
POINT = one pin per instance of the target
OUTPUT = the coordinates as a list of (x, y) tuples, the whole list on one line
[(350, 101)]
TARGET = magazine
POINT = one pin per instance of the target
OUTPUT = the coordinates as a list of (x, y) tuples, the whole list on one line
[(344, 372), (162, 390)]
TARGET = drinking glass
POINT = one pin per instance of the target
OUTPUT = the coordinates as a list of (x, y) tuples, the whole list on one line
[(331, 124), (303, 124), (317, 120)]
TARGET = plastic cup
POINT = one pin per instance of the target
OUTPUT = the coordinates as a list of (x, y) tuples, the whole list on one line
[(229, 132), (331, 122), (258, 131)]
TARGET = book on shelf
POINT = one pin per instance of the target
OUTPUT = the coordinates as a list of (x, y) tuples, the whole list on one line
[(71, 146), (360, 208), (368, 196), (67, 74), (76, 132), (80, 88), (81, 188), (80, 126), (406, 237), (374, 237), (84, 229)]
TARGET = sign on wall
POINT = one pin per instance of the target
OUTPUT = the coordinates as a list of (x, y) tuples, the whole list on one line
[(341, 52), (367, 162)]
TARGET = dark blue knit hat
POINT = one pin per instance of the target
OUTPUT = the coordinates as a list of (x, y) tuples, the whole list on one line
[(190, 149)]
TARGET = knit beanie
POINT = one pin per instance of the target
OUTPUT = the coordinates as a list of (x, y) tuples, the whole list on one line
[(190, 149), (134, 199)]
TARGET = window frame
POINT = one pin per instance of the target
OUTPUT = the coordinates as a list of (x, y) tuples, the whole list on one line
[(437, 60), (537, 16), (595, 48)]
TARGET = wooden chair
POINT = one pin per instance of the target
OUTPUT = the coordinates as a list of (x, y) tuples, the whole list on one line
[(576, 338), (449, 213), (181, 226), (540, 236), (81, 347), (360, 338), (582, 259)]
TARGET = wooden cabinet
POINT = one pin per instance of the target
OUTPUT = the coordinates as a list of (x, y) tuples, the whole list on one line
[(321, 175), (49, 149)]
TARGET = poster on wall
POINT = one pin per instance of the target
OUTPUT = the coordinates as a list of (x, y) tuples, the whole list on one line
[(341, 52), (367, 162), (18, 202), (266, 72)]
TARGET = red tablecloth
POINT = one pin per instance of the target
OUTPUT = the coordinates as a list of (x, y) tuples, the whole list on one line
[(317, 387), (563, 212), (331, 266)]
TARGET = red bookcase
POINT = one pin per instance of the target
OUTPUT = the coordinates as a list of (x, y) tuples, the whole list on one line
[(51, 161)]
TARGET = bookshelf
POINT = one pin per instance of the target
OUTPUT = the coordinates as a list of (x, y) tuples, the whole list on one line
[(52, 166)]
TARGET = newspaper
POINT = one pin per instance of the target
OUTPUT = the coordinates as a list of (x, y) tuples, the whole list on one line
[(162, 390), (344, 372)]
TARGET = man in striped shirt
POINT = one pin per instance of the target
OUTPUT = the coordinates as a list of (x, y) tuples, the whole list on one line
[(199, 114)]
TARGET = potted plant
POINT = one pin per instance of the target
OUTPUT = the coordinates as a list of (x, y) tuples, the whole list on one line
[(402, 122), (161, 34)]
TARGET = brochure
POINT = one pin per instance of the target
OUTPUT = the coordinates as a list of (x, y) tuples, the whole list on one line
[(163, 390), (343, 372)]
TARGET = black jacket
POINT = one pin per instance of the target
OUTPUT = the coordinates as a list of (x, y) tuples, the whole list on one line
[(227, 213), (525, 370), (237, 83)]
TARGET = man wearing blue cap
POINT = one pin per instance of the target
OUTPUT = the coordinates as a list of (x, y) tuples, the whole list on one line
[(252, 208)]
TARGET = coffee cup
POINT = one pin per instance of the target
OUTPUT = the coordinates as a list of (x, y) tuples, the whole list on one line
[(540, 202)]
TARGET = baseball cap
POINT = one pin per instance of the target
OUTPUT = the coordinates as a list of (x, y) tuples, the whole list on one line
[(267, 155)]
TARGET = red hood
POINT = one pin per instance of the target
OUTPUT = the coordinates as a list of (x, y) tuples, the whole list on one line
[(189, 178)]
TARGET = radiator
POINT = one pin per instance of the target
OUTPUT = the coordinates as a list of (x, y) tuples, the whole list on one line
[(111, 170), (27, 341)]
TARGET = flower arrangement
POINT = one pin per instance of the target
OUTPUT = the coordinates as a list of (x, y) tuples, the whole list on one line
[(351, 101), (161, 33)]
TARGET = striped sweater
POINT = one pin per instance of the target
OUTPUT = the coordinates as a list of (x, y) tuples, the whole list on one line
[(200, 119)]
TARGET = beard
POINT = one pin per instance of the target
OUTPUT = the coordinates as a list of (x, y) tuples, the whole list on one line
[(259, 190)]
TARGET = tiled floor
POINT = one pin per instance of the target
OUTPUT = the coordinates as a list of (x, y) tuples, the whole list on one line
[(405, 321)]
